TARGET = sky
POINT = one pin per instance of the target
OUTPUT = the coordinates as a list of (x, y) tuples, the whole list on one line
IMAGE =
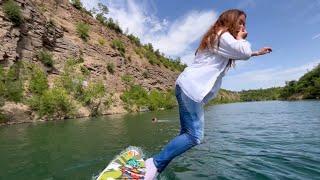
[(175, 27)]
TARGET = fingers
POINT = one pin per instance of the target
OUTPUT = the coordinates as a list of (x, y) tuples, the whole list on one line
[(244, 30), (267, 49)]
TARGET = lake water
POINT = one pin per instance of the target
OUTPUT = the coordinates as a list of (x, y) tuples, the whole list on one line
[(255, 140)]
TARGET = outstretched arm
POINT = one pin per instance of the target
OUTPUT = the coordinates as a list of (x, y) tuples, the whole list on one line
[(237, 48), (262, 51)]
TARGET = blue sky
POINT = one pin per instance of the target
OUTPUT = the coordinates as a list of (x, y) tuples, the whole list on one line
[(175, 27)]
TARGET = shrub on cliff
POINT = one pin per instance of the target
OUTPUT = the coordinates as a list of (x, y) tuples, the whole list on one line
[(76, 85), (38, 81), (101, 41), (70, 80), (45, 57), (91, 96), (134, 39), (156, 58), (53, 103), (146, 74), (110, 68), (13, 12), (161, 100), (118, 45), (136, 95), (15, 91), (85, 71), (92, 92), (152, 58), (12, 84), (83, 30)]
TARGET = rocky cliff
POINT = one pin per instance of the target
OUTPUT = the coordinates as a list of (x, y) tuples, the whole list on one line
[(51, 26)]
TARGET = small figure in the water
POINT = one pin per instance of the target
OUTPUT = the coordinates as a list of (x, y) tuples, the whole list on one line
[(154, 119)]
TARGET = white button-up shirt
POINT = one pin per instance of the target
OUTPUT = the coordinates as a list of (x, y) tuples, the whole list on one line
[(201, 80)]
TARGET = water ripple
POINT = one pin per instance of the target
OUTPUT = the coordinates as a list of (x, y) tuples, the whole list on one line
[(256, 140)]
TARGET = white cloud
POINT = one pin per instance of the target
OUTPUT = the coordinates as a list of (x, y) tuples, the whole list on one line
[(182, 33), (174, 38), (271, 77), (89, 4), (316, 36)]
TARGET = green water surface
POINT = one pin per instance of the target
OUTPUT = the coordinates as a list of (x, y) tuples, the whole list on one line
[(256, 140)]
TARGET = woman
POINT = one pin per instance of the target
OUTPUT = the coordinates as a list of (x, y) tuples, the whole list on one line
[(200, 82)]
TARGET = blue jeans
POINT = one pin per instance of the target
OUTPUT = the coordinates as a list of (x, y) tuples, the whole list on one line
[(191, 131)]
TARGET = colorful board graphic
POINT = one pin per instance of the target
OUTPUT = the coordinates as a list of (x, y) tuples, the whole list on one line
[(129, 164)]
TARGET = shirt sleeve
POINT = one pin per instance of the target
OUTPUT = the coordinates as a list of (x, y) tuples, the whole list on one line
[(232, 48)]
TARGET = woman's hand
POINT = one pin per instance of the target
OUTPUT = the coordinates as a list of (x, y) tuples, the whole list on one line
[(242, 34), (262, 51)]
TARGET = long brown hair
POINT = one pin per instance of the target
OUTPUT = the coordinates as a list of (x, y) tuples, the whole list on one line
[(227, 22)]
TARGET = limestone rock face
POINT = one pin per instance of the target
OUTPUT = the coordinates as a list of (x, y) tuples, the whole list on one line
[(51, 25), (23, 42)]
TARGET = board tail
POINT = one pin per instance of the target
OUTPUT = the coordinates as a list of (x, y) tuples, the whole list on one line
[(129, 164)]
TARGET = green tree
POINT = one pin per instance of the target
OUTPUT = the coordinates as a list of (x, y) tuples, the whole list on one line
[(136, 95), (113, 25), (103, 8), (134, 39), (92, 92), (54, 103), (101, 18), (77, 4)]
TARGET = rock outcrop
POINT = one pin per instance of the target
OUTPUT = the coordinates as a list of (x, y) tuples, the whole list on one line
[(51, 25)]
